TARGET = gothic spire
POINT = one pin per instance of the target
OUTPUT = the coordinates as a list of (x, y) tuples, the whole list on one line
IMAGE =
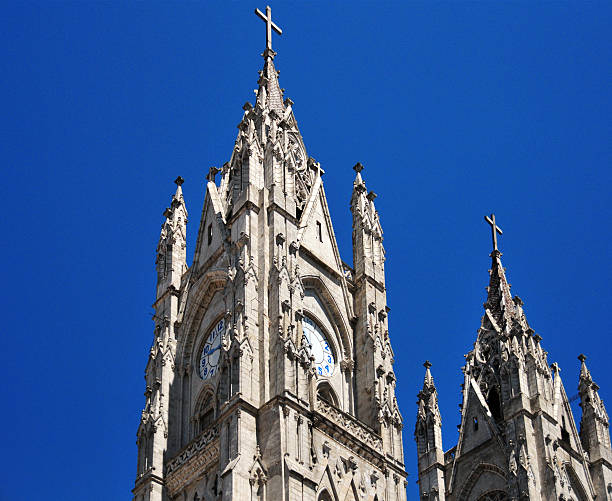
[(505, 310)]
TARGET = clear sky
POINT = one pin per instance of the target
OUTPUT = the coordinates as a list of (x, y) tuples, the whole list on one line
[(455, 109)]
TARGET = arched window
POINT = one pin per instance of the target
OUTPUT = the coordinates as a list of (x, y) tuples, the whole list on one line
[(205, 413), (422, 443), (327, 394)]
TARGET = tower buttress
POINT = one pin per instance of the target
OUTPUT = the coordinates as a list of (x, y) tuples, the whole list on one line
[(376, 403), (428, 436), (152, 435)]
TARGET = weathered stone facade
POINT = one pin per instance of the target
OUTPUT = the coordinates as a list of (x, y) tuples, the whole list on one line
[(517, 438), (255, 414)]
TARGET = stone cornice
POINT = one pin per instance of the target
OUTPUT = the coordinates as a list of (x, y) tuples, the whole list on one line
[(147, 477), (209, 262), (354, 435), (304, 252), (244, 207), (170, 290), (358, 280), (277, 208)]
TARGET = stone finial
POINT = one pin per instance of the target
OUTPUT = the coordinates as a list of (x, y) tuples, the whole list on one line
[(427, 364), (358, 167), (582, 358), (371, 196), (179, 181)]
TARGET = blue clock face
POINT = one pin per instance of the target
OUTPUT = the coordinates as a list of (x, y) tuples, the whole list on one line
[(210, 352), (323, 355)]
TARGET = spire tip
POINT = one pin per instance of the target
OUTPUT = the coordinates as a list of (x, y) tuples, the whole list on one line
[(179, 181)]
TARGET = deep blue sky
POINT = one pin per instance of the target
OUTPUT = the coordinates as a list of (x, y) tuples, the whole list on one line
[(456, 110)]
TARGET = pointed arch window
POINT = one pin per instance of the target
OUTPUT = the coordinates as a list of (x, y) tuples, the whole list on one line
[(205, 413)]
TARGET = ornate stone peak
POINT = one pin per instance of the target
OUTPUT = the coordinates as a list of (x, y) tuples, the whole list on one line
[(428, 396), (269, 93), (585, 374)]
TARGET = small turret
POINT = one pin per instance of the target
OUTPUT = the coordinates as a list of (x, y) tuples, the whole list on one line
[(594, 425), (368, 251), (152, 436), (428, 436), (171, 261), (375, 360)]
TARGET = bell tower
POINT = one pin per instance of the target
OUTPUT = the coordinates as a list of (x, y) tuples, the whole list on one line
[(271, 376)]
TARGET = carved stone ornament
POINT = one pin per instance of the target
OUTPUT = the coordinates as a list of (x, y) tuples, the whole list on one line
[(193, 461), (349, 424)]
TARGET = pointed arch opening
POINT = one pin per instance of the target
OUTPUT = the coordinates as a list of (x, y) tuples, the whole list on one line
[(565, 436), (421, 435), (325, 496), (326, 393), (494, 403), (494, 496), (204, 414)]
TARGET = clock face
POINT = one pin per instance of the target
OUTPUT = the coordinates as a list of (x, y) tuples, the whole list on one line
[(210, 352), (323, 355)]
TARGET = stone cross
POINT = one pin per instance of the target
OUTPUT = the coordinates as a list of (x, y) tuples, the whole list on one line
[(494, 229), (267, 17)]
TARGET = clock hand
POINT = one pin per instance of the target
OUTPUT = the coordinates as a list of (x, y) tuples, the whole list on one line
[(214, 349)]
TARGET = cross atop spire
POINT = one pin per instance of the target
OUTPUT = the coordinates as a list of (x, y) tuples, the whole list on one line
[(267, 17), (494, 230)]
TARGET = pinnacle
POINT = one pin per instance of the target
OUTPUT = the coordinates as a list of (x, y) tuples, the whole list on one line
[(358, 184), (269, 93), (585, 374), (428, 382), (428, 399)]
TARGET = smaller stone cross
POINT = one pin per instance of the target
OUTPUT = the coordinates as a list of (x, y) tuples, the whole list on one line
[(494, 229), (267, 17)]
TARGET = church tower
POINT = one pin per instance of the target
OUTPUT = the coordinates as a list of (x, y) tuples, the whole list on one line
[(517, 439), (271, 373)]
